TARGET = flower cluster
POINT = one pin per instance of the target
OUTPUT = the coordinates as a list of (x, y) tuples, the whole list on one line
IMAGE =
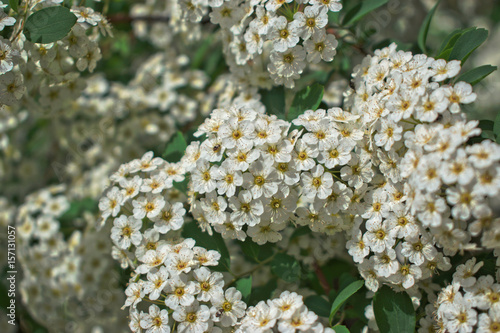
[(289, 35), (422, 188), (469, 303), (66, 266)]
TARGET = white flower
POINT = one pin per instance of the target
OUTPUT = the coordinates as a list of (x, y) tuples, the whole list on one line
[(262, 180), (302, 319), (193, 318), (289, 62), (288, 303), (148, 206), (134, 293), (153, 258), (419, 249), (460, 317), (211, 284), (245, 210), (284, 35), (321, 46), (378, 236), (317, 183), (126, 230), (214, 208), (444, 70), (231, 305), (460, 93), (180, 292), (304, 155), (484, 154), (6, 20), (387, 134), (265, 232), (236, 133), (110, 204), (180, 262), (170, 218), (226, 15), (464, 273), (311, 21), (203, 177), (331, 5), (386, 263), (146, 163), (156, 282), (8, 56), (357, 247)]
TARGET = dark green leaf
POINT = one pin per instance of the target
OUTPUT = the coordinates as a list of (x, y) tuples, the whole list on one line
[(214, 242), (467, 43), (182, 186), (477, 74), (49, 24), (286, 267), (77, 208), (250, 249), (274, 101), (496, 127), (344, 295), (449, 43), (199, 55), (244, 285), (486, 125), (318, 305), (175, 148), (308, 98), (340, 329), (394, 311), (424, 29), (300, 231), (263, 292), (14, 5), (360, 10)]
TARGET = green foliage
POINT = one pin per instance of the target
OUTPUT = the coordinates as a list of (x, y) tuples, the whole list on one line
[(344, 296), (77, 208), (210, 242), (496, 127), (477, 74), (308, 98), (467, 43), (361, 9), (244, 285), (49, 24), (394, 311), (14, 4), (340, 329), (460, 44), (263, 292), (424, 29), (175, 147), (274, 100), (286, 267), (318, 305)]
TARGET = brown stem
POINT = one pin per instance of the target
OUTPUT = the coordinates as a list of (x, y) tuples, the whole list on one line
[(322, 278)]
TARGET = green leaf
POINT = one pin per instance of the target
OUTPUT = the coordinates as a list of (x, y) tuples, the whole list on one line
[(250, 249), (175, 148), (308, 98), (244, 286), (318, 305), (424, 29), (340, 329), (214, 242), (264, 292), (182, 186), (467, 43), (449, 42), (76, 209), (344, 295), (477, 74), (274, 101), (361, 9), (394, 311), (14, 5), (496, 127), (286, 267), (49, 24), (486, 125)]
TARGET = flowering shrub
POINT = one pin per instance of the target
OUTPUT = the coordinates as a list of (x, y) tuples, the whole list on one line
[(245, 166)]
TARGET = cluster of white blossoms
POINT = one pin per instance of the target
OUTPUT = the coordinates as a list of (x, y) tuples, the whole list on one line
[(423, 188), (66, 266), (276, 36), (24, 66), (173, 273), (470, 303), (176, 278)]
